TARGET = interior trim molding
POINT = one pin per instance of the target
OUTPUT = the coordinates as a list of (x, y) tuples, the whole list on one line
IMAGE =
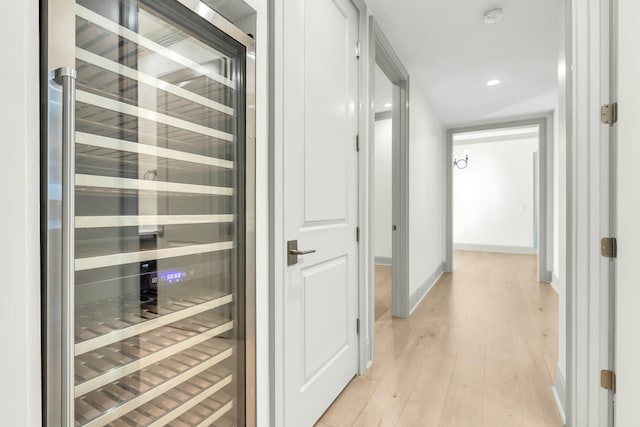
[(419, 294), (383, 115), (382, 53), (384, 260), (559, 391), (522, 250), (555, 283), (501, 138)]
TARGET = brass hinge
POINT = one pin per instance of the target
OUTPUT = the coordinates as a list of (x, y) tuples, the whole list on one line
[(358, 234), (358, 143), (358, 326), (609, 113), (608, 380), (609, 247)]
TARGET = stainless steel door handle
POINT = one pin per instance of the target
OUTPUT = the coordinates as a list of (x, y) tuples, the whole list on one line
[(299, 252), (66, 77), (293, 252)]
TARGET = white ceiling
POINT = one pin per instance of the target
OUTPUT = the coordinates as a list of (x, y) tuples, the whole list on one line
[(451, 53)]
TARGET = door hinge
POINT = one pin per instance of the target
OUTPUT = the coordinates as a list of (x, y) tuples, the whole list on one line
[(609, 113), (358, 143), (608, 380), (358, 326), (609, 247), (358, 50), (358, 234)]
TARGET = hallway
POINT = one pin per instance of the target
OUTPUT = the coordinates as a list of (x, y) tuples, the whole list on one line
[(480, 350)]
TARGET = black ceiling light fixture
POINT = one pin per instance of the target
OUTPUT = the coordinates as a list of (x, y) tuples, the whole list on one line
[(462, 162)]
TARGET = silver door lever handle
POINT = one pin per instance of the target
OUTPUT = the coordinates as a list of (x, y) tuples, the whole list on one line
[(299, 252), (293, 252)]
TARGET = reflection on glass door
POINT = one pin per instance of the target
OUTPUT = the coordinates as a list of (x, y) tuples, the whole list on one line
[(160, 225)]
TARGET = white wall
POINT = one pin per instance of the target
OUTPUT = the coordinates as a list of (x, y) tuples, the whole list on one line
[(19, 251), (493, 198), (556, 196), (560, 245), (561, 123), (559, 235), (628, 227), (426, 191), (383, 197)]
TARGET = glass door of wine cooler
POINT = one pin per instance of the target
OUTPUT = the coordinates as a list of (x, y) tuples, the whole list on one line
[(148, 198)]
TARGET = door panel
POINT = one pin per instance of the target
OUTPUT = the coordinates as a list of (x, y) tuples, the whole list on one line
[(325, 285), (327, 104), (320, 188)]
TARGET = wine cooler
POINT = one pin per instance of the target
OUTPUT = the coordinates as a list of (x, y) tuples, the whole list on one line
[(148, 190)]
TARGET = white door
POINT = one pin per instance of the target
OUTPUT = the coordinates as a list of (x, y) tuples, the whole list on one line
[(628, 233), (320, 204)]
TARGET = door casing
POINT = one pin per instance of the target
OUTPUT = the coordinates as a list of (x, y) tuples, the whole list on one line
[(379, 51), (588, 216)]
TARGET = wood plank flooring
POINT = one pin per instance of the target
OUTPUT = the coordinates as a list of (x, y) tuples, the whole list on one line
[(480, 350)]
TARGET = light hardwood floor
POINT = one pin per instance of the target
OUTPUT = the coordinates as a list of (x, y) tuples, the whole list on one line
[(480, 350)]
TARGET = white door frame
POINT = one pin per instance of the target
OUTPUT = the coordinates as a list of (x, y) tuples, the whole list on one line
[(378, 50), (588, 171), (545, 175), (277, 238)]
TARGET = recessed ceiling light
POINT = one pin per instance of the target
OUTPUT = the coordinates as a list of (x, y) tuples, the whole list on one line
[(492, 16), (493, 82), (388, 105)]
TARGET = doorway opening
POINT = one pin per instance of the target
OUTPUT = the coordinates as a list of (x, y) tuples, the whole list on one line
[(500, 245), (383, 194), (382, 57), (495, 191), (500, 190)]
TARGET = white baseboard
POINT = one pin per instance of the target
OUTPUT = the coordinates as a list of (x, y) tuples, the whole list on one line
[(416, 297), (559, 391), (522, 250), (546, 277), (555, 283), (384, 260)]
